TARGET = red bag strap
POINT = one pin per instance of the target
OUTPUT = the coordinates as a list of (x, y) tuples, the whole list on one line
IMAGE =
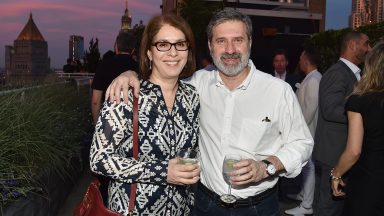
[(135, 137)]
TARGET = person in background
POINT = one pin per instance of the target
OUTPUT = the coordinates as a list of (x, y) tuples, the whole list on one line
[(207, 64), (243, 111), (168, 122), (69, 67), (79, 66), (110, 68), (308, 95), (331, 132), (363, 155), (280, 64)]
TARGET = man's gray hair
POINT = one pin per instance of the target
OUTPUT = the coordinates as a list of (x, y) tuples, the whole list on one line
[(229, 14)]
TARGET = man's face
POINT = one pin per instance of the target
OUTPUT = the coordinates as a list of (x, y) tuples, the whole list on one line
[(362, 47), (230, 47), (280, 63)]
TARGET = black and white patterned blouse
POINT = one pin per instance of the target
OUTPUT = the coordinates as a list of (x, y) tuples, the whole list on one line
[(161, 135)]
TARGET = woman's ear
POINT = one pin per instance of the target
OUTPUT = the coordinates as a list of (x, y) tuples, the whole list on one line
[(149, 54)]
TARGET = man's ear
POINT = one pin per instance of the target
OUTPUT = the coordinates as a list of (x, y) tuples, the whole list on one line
[(352, 45), (209, 45)]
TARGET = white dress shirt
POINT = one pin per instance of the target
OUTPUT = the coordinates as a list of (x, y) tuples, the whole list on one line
[(356, 70), (281, 76), (259, 118), (308, 95)]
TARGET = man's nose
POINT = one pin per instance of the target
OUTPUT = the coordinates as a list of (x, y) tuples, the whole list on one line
[(230, 47)]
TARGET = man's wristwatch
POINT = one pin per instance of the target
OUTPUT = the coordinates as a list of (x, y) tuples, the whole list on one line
[(271, 169)]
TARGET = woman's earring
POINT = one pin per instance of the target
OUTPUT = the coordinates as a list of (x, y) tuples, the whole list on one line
[(150, 64)]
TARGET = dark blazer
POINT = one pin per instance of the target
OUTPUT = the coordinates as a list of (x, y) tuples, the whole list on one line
[(291, 79), (332, 128)]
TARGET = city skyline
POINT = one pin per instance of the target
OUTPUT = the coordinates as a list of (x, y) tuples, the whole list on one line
[(58, 20)]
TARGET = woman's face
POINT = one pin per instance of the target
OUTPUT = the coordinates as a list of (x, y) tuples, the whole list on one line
[(168, 64)]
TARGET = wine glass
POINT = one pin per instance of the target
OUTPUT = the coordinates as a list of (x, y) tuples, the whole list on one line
[(187, 156), (228, 162)]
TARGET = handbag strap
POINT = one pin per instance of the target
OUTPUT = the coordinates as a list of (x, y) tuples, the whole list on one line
[(135, 137)]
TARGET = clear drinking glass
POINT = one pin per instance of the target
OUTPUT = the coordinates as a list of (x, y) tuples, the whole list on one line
[(228, 162), (187, 156)]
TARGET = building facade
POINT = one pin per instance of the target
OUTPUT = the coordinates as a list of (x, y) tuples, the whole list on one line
[(366, 12), (29, 53), (76, 47)]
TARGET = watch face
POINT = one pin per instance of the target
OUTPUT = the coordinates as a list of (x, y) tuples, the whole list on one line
[(271, 169)]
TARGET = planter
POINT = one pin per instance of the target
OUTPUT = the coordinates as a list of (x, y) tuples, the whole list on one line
[(56, 188)]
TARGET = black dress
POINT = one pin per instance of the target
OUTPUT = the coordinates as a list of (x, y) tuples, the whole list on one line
[(365, 187)]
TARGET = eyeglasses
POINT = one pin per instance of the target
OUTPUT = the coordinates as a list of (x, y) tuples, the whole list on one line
[(164, 46)]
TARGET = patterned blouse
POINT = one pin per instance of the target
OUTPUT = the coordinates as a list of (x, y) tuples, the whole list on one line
[(161, 135)]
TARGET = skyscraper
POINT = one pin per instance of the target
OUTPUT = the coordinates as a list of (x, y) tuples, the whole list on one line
[(76, 47), (126, 19), (366, 12), (29, 54)]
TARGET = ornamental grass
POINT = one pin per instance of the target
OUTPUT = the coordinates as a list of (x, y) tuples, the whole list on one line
[(40, 130)]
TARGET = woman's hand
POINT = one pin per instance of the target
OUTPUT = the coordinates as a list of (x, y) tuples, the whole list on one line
[(337, 185), (182, 174), (122, 84)]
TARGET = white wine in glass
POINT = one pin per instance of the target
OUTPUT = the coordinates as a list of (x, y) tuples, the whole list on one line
[(229, 161), (187, 156)]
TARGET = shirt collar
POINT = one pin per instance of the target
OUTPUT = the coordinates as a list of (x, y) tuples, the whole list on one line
[(309, 74), (356, 70), (282, 76), (245, 84)]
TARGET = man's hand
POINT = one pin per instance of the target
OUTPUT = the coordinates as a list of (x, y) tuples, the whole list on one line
[(182, 174), (122, 84), (248, 171)]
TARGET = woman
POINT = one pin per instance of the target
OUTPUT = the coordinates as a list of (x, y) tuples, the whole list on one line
[(168, 121), (364, 153)]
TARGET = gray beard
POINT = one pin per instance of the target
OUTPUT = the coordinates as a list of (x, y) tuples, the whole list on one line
[(231, 71)]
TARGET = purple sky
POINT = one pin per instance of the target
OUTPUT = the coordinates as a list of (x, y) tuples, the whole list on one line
[(57, 19)]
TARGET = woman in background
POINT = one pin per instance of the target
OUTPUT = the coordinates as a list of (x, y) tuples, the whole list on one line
[(364, 153), (168, 121)]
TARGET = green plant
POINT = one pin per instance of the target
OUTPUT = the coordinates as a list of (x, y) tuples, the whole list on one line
[(41, 129)]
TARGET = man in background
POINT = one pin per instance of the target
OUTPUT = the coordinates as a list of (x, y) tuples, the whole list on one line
[(69, 67), (308, 96), (111, 67), (280, 64), (331, 132)]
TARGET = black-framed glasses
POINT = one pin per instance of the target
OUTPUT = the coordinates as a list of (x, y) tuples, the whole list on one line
[(164, 46)]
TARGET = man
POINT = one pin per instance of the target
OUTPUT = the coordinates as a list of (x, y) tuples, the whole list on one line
[(280, 64), (331, 132), (237, 117), (69, 67), (308, 96), (110, 68)]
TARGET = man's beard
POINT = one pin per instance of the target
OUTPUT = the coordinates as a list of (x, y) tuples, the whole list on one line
[(231, 70)]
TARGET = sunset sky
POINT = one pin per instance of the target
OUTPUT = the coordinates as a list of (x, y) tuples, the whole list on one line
[(58, 19)]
